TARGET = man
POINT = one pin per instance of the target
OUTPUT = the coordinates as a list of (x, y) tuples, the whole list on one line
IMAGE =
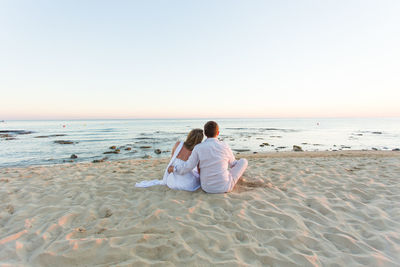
[(213, 158)]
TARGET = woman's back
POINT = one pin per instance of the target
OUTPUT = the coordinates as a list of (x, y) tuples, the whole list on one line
[(189, 181), (184, 154)]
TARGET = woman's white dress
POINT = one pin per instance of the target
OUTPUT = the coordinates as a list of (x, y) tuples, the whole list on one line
[(189, 182)]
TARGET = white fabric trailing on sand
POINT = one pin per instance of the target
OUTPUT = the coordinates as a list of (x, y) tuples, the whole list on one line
[(188, 182), (150, 183)]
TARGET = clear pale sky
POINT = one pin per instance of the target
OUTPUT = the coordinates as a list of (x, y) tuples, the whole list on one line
[(139, 59)]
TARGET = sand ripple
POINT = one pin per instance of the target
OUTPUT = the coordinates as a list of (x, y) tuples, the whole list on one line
[(290, 211)]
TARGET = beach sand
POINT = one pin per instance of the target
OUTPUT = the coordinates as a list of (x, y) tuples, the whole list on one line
[(291, 209)]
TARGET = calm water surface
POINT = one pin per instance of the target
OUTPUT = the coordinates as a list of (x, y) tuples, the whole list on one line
[(94, 137)]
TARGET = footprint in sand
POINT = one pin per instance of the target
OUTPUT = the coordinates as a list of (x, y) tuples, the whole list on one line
[(10, 209), (254, 184), (101, 231), (80, 230), (242, 237), (105, 213)]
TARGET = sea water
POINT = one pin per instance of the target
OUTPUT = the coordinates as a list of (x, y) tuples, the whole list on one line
[(139, 138)]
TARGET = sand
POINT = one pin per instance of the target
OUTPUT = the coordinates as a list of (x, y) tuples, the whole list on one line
[(291, 209)]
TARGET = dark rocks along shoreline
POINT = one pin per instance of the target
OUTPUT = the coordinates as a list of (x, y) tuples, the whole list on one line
[(146, 144)]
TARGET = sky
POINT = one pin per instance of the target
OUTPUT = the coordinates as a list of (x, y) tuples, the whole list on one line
[(199, 59)]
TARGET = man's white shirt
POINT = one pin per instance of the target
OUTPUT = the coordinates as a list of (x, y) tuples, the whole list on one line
[(213, 157)]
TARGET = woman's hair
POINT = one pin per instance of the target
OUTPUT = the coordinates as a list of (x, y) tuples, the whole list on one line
[(194, 137)]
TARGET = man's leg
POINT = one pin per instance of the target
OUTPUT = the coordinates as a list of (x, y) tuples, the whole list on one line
[(238, 170)]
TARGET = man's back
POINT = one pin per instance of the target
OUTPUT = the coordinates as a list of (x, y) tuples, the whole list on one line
[(214, 159)]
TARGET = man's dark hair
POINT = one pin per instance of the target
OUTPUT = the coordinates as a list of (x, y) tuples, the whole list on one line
[(211, 128)]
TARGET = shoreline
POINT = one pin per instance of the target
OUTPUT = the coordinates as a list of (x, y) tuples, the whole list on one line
[(322, 154), (258, 155)]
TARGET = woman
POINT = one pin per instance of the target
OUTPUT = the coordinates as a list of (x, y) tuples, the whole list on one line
[(181, 152)]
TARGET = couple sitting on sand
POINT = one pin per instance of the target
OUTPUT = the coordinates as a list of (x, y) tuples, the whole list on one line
[(209, 164)]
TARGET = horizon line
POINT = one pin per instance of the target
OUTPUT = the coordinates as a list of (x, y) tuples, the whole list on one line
[(195, 118)]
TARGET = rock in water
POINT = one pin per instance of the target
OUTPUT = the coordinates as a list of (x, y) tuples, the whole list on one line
[(15, 132), (297, 148), (241, 150), (113, 147), (99, 160), (396, 149), (73, 156), (112, 152), (47, 136), (157, 151), (64, 142)]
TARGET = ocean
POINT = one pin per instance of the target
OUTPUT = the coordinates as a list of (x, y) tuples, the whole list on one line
[(41, 142)]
